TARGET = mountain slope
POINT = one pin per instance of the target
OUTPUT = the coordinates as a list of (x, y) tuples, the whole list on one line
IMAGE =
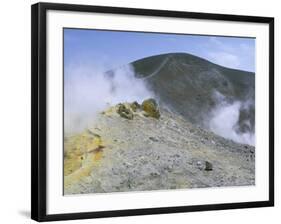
[(188, 85), (145, 153)]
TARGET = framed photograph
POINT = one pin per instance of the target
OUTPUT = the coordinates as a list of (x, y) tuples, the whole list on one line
[(139, 111)]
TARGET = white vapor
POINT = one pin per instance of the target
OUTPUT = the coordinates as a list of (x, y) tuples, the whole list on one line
[(89, 90), (224, 118)]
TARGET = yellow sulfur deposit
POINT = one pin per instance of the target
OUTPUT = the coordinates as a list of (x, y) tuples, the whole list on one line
[(81, 153)]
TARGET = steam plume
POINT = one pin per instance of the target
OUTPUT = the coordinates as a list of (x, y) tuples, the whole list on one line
[(90, 90), (225, 120)]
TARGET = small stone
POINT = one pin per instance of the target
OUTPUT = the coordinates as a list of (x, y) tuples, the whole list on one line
[(153, 139), (154, 174), (169, 168), (208, 166), (199, 165), (176, 155)]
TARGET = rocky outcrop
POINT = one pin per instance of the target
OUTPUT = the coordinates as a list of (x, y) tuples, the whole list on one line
[(148, 108), (125, 112)]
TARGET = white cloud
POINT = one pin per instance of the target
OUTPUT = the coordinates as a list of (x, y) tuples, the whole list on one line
[(224, 59), (230, 54)]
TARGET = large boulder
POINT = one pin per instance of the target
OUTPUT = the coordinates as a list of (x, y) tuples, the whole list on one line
[(150, 107)]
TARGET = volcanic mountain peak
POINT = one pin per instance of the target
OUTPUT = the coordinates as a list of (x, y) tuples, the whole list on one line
[(190, 86)]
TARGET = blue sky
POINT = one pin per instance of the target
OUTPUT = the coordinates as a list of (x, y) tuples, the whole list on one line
[(113, 48)]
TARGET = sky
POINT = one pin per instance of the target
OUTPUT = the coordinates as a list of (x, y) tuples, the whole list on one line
[(111, 49)]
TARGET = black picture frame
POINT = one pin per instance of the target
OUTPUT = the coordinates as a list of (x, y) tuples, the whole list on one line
[(39, 107)]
